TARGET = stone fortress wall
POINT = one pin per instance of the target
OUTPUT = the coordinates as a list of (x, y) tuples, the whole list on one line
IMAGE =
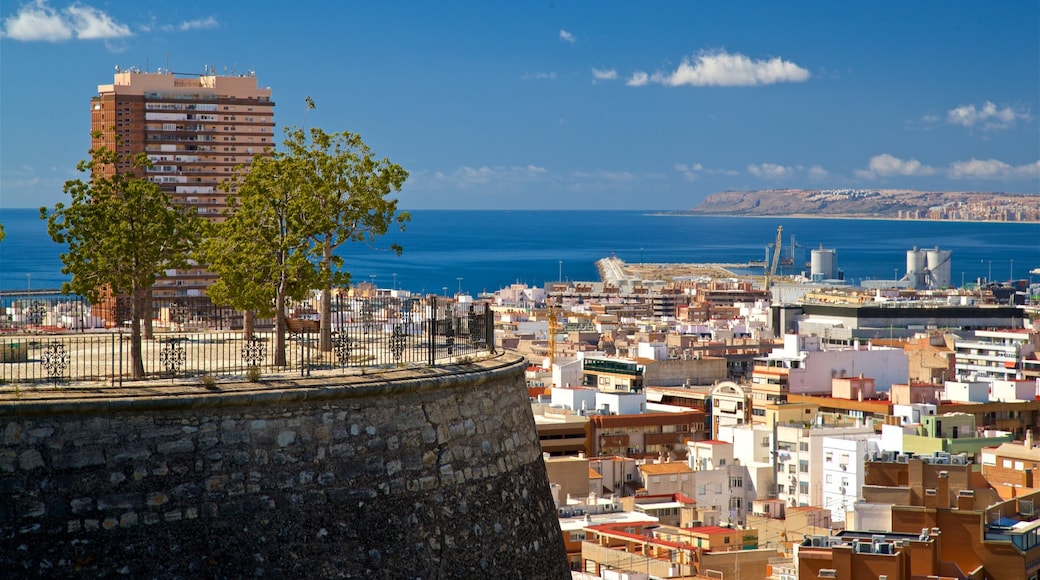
[(432, 473)]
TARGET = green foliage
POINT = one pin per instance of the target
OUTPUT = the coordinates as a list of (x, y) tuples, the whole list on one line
[(291, 212), (121, 232), (2, 233), (253, 374), (120, 229)]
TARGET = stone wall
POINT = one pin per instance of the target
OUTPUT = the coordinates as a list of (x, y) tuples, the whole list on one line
[(410, 474)]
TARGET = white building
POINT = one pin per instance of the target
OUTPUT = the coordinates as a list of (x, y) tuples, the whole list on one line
[(801, 458), (730, 405), (995, 354), (842, 470), (966, 392), (810, 365)]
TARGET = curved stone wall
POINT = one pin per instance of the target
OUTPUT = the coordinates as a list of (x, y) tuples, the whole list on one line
[(432, 473)]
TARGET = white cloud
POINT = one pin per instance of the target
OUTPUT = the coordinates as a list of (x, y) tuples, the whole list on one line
[(694, 171), (818, 173), (604, 74), (39, 22), (987, 117), (208, 22), (721, 69), (886, 165), (771, 171), (496, 178), (567, 37), (638, 79), (992, 169), (93, 24), (539, 76)]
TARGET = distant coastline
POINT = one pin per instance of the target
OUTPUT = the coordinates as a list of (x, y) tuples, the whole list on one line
[(689, 213), (873, 204)]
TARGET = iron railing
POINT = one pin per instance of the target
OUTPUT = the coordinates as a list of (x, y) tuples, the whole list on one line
[(63, 341)]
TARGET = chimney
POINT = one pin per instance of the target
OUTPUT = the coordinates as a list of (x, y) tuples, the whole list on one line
[(942, 490), (1029, 439)]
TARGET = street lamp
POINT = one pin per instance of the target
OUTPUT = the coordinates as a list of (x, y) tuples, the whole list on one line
[(28, 282), (560, 279), (460, 284), (395, 280), (373, 277)]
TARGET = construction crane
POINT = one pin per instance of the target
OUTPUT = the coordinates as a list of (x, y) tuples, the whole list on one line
[(554, 326), (776, 257)]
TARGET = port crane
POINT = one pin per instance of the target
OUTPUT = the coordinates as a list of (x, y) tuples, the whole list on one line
[(553, 315), (771, 272)]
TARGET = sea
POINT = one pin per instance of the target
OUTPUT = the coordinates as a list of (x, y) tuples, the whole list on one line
[(475, 251)]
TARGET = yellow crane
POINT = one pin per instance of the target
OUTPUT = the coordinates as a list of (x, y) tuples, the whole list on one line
[(554, 323), (776, 258)]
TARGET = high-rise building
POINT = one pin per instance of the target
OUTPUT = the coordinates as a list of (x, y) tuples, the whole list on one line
[(198, 131)]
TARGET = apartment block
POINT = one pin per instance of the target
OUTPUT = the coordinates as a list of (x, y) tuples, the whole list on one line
[(998, 355), (198, 131)]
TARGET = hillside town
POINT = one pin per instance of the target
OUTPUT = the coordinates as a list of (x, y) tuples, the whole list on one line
[(717, 428)]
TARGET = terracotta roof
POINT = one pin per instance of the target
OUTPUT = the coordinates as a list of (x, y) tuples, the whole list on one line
[(661, 468), (594, 475)]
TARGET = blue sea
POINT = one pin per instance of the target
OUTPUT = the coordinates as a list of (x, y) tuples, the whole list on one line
[(475, 251)]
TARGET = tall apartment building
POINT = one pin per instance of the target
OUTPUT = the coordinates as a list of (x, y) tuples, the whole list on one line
[(196, 129)]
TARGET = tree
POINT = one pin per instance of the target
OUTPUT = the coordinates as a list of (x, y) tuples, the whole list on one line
[(291, 214), (122, 232), (346, 200), (258, 252)]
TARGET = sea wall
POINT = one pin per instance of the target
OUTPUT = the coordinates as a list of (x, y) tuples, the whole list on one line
[(432, 473)]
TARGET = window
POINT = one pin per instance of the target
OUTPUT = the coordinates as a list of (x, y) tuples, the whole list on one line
[(829, 478), (803, 466), (829, 457), (577, 536), (803, 446), (737, 481), (803, 487), (702, 490)]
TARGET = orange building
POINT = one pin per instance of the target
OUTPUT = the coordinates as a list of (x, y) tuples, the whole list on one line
[(196, 129), (647, 435)]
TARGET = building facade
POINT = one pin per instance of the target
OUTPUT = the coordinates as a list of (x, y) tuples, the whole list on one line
[(198, 131)]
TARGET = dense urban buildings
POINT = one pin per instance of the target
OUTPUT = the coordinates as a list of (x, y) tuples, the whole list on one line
[(845, 432), (197, 130)]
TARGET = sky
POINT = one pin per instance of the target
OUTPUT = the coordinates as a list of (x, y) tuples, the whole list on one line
[(568, 105)]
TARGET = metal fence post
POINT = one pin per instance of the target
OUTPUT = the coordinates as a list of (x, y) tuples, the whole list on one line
[(489, 328), (431, 331)]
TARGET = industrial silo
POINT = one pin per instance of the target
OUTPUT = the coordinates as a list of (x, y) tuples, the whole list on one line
[(917, 268), (823, 265), (938, 268)]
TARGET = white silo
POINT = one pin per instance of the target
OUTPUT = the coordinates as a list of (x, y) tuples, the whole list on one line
[(938, 268), (823, 265), (916, 268)]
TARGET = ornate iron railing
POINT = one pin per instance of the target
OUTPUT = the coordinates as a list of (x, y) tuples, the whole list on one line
[(63, 341)]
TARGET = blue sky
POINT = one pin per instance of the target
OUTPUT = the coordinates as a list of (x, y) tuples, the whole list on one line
[(569, 105)]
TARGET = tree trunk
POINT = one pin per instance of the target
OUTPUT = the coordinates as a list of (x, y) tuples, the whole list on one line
[(146, 313), (248, 324), (279, 326), (136, 357), (325, 326)]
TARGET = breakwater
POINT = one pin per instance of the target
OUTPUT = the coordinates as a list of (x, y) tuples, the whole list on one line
[(431, 473)]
